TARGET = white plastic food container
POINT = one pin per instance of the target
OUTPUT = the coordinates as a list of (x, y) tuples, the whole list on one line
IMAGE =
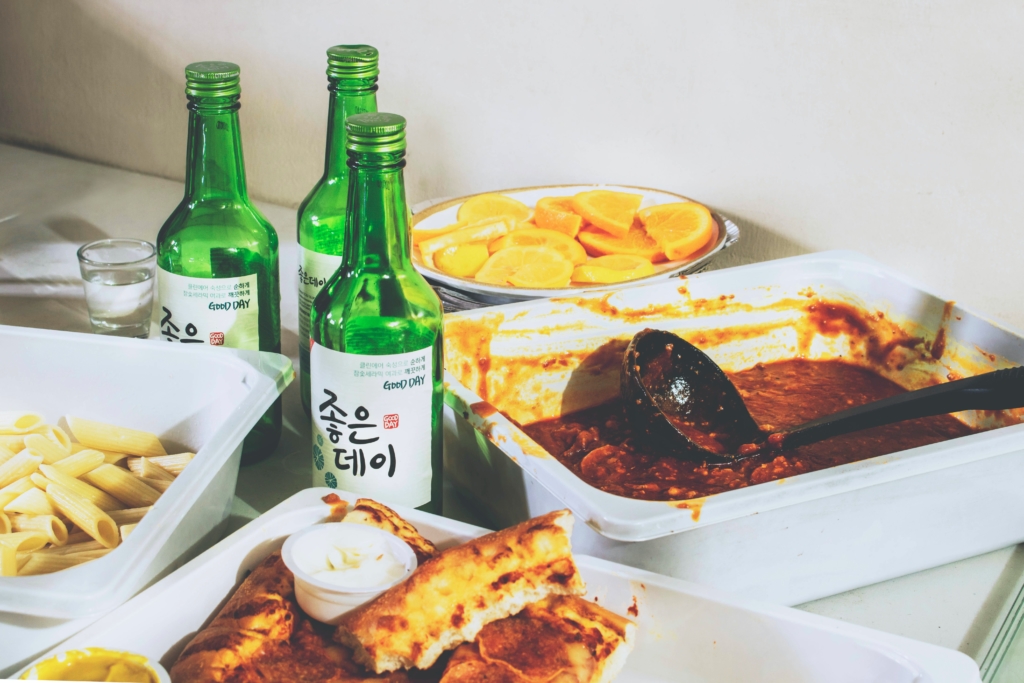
[(200, 400), (788, 541), (686, 632)]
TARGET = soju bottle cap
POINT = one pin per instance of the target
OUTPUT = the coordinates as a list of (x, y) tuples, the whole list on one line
[(352, 62), (212, 79), (375, 132)]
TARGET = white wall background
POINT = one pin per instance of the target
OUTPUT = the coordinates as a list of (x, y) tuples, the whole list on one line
[(893, 127)]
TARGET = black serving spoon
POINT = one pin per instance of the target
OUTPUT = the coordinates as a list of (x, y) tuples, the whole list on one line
[(682, 404)]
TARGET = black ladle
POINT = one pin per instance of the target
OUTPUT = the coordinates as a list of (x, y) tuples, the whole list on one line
[(682, 404)]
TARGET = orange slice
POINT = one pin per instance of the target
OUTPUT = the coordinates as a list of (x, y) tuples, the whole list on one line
[(420, 234), (461, 260), (491, 206), (652, 214), (483, 231), (611, 211), (529, 237), (556, 213), (534, 267), (636, 242), (681, 231), (612, 268)]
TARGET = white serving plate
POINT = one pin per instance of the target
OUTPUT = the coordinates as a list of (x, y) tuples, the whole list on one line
[(789, 541), (439, 213), (201, 400), (686, 632)]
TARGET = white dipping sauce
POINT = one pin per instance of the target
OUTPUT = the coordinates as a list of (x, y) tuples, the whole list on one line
[(350, 557), (362, 563)]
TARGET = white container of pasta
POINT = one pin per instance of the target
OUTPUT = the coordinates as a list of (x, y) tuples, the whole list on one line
[(685, 632), (787, 541), (200, 400)]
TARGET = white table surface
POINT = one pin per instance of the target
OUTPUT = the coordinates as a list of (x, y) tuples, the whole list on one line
[(50, 205)]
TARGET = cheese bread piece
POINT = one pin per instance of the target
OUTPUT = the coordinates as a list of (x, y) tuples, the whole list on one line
[(449, 598), (562, 639), (258, 612), (372, 513), (261, 635)]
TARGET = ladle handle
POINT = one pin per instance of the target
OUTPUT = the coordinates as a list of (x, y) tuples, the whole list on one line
[(999, 390)]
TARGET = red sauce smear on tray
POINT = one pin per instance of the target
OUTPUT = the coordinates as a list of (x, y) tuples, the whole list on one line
[(598, 445)]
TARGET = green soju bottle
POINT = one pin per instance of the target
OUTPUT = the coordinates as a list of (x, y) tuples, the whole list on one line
[(376, 361), (352, 81), (218, 256)]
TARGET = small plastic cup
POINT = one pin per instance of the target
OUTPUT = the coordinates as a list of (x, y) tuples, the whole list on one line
[(119, 276), (328, 602)]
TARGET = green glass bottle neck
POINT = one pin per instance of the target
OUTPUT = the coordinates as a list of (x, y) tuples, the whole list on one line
[(214, 165), (377, 224), (346, 99)]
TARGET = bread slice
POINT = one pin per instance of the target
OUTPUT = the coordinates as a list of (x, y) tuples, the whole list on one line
[(450, 597), (262, 610), (561, 638), (375, 514)]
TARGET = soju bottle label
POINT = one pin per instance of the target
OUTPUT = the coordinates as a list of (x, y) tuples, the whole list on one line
[(371, 423), (315, 269), (216, 311)]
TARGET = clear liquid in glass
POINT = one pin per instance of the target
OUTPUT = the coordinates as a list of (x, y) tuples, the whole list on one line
[(120, 302)]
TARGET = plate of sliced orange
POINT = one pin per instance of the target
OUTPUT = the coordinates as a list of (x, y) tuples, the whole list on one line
[(528, 243)]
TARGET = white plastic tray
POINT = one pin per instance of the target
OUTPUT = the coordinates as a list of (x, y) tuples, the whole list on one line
[(687, 632), (202, 400), (789, 541)]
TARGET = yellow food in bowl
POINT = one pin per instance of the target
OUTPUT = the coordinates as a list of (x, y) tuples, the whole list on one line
[(499, 240), (94, 664)]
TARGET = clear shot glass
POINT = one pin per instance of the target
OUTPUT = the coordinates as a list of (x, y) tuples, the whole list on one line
[(118, 276)]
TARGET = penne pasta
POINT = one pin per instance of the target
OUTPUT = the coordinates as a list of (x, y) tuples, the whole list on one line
[(75, 538), (54, 529), (13, 490), (130, 516), (17, 422), (32, 564), (56, 435), (158, 484), (122, 485), (65, 500), (84, 514), (15, 443), (78, 464), (31, 502), (13, 543), (173, 463), (85, 546), (108, 437), (50, 451), (21, 465), (147, 469), (100, 499), (108, 456)]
